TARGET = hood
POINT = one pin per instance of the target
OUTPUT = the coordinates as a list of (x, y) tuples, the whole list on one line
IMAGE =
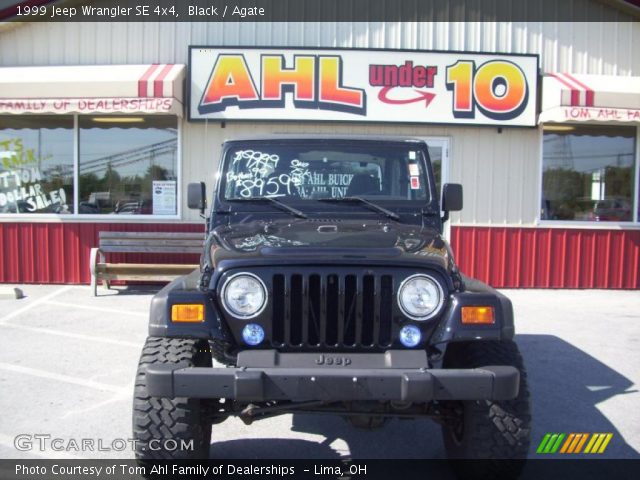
[(333, 239)]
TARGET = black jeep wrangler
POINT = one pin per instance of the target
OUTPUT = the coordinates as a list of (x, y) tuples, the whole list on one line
[(326, 286)]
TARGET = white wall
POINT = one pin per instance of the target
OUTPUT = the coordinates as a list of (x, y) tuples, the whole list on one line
[(578, 47), (500, 172)]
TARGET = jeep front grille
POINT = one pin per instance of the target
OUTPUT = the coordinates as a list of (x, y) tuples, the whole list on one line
[(332, 310)]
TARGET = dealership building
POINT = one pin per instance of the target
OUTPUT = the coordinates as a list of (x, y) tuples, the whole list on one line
[(103, 125)]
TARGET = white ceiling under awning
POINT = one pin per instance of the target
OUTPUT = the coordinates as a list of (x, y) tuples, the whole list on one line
[(91, 89), (590, 98)]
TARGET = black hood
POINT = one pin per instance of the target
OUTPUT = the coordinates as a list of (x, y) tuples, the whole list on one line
[(332, 241)]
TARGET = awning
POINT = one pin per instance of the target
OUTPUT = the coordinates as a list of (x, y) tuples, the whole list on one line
[(590, 98), (91, 89)]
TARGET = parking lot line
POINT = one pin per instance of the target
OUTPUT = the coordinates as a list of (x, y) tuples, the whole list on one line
[(35, 303), (98, 309), (62, 378), (125, 395), (79, 336)]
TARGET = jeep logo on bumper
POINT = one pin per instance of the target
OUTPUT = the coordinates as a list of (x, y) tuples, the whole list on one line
[(337, 361)]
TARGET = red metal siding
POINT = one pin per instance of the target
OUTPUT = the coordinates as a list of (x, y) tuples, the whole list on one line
[(502, 257), (549, 257), (59, 252)]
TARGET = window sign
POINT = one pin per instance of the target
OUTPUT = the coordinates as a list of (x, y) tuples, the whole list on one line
[(164, 197), (36, 164)]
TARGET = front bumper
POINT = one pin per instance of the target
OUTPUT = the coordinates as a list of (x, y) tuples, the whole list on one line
[(395, 375)]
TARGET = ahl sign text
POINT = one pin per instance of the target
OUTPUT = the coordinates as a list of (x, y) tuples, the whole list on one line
[(362, 86)]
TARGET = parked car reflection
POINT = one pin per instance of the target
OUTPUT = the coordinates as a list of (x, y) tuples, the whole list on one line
[(613, 209)]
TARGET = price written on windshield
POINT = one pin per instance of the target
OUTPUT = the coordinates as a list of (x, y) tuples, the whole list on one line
[(256, 175)]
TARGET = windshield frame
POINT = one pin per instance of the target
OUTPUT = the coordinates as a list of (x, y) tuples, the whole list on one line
[(311, 206)]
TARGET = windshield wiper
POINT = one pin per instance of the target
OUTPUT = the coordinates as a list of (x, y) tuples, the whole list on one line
[(364, 201), (278, 203)]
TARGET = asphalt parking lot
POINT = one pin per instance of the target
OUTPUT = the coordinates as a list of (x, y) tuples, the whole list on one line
[(67, 363)]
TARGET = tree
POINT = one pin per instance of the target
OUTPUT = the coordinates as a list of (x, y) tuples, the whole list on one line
[(154, 172), (111, 179)]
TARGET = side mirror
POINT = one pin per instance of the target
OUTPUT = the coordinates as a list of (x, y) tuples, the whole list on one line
[(451, 199), (197, 196)]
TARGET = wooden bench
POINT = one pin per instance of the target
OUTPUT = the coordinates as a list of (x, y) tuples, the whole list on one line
[(141, 242)]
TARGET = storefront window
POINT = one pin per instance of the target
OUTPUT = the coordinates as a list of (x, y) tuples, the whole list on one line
[(128, 165), (36, 164), (588, 173)]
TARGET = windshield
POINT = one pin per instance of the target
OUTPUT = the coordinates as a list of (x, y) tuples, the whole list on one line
[(306, 172)]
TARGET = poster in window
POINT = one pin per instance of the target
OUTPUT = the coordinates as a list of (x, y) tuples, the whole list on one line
[(164, 197)]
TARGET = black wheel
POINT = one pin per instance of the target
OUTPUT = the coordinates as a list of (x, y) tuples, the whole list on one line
[(162, 425), (497, 432)]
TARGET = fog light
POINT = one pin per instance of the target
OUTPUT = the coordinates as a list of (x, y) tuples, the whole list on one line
[(253, 334), (410, 336)]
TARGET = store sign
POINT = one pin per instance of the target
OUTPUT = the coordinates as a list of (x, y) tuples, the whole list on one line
[(90, 105), (362, 85), (589, 98), (585, 114)]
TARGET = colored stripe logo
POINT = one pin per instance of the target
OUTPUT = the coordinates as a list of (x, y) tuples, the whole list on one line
[(577, 89), (154, 77), (574, 443)]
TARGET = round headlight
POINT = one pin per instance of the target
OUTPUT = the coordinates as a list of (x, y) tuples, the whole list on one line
[(244, 295), (420, 297)]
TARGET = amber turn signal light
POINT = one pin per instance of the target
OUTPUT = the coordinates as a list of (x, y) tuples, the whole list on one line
[(187, 312), (478, 315)]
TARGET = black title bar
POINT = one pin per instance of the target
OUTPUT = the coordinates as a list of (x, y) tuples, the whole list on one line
[(320, 11), (318, 469)]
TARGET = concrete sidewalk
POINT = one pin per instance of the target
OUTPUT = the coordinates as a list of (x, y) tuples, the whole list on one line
[(67, 363)]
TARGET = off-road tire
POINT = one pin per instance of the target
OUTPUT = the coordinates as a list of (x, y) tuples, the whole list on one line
[(178, 419), (495, 432), (219, 349)]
